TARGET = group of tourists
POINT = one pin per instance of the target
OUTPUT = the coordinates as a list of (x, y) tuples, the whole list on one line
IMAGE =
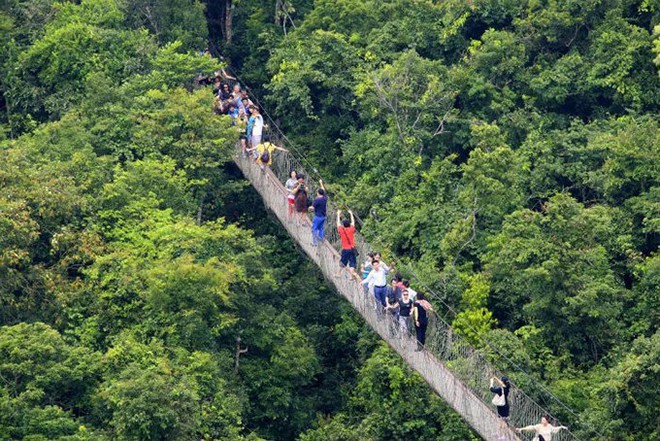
[(234, 101), (395, 297), (408, 308)]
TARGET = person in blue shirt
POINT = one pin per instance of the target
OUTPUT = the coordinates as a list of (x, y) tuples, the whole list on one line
[(255, 128), (319, 206), (233, 113)]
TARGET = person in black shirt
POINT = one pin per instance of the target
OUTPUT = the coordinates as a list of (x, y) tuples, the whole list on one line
[(224, 93), (421, 308), (405, 306), (502, 388), (392, 297)]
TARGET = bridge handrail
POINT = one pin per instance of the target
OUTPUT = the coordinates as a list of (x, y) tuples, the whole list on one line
[(459, 355), (444, 348)]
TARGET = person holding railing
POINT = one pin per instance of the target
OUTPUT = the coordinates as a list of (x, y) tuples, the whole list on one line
[(543, 431), (346, 230), (404, 308), (265, 152), (421, 310), (319, 207)]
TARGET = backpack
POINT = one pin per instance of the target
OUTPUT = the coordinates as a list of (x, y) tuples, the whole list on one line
[(265, 157)]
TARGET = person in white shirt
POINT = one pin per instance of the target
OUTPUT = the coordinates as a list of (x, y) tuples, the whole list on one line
[(543, 431), (255, 127), (377, 279)]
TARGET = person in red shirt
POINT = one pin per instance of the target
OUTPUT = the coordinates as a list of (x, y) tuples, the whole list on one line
[(346, 231)]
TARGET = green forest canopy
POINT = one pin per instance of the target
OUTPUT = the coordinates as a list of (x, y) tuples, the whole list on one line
[(507, 150)]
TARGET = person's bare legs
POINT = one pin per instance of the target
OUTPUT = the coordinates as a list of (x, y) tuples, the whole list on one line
[(341, 268), (302, 219), (244, 147), (292, 209), (351, 271), (503, 427)]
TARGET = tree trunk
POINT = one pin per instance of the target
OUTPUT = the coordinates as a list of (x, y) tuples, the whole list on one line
[(229, 16), (239, 351), (279, 16)]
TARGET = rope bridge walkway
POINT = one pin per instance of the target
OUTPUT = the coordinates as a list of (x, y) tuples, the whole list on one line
[(457, 371), (453, 368)]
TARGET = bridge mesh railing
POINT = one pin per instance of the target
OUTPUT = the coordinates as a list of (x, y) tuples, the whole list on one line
[(458, 372), (455, 369)]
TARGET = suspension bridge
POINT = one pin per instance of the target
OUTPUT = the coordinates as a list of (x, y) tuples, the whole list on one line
[(455, 370)]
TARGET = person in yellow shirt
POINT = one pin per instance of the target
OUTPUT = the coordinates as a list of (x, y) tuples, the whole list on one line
[(265, 153)]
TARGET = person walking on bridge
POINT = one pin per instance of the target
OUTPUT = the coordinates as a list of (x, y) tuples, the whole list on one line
[(346, 230), (502, 389), (421, 310), (377, 279), (300, 200), (290, 185), (405, 306), (543, 431), (319, 207), (265, 152)]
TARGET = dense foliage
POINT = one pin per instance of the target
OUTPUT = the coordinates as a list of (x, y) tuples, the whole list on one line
[(507, 150), (135, 261)]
